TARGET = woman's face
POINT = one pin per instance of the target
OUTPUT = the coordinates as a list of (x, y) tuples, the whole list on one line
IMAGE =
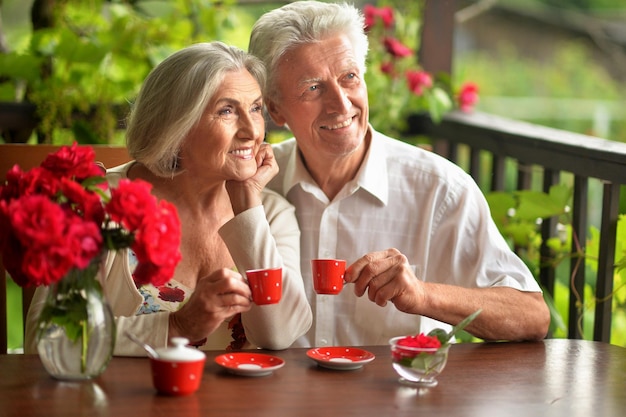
[(226, 139)]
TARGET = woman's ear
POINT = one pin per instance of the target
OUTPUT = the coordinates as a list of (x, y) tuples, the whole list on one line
[(272, 110)]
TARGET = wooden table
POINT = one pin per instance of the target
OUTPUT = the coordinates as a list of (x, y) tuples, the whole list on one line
[(555, 377)]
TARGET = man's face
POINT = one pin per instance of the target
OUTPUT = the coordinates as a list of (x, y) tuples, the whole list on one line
[(322, 98)]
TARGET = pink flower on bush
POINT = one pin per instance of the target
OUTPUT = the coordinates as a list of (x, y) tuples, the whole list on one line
[(468, 96), (396, 48), (387, 68), (371, 13), (418, 81)]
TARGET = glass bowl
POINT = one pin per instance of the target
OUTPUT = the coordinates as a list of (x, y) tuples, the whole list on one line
[(418, 366)]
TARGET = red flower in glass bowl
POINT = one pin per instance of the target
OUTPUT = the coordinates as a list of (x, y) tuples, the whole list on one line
[(419, 359)]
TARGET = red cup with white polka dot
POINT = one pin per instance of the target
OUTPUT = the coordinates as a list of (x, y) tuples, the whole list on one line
[(328, 275), (266, 285)]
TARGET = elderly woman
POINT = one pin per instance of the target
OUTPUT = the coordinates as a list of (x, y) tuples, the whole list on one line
[(196, 134)]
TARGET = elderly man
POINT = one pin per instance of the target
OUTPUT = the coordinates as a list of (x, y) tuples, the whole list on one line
[(422, 249)]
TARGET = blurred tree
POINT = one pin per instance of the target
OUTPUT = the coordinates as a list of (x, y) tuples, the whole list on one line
[(84, 61)]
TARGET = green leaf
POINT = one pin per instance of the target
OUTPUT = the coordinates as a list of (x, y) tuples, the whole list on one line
[(26, 67), (500, 203), (561, 194), (521, 233), (467, 320), (535, 205), (445, 337), (438, 103), (440, 334)]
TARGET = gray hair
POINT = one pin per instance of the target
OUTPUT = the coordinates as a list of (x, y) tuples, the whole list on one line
[(173, 98), (302, 22)]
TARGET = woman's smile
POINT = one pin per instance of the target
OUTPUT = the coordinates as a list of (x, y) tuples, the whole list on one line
[(243, 153)]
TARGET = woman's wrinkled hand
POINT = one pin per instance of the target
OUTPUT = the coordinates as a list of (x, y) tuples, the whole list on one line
[(247, 193), (215, 299)]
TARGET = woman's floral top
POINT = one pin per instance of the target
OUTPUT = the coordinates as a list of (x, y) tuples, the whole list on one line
[(171, 297)]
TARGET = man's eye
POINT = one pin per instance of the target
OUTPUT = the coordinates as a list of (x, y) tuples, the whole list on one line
[(353, 76), (314, 88)]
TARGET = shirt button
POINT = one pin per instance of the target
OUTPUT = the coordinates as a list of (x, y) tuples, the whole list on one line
[(324, 342)]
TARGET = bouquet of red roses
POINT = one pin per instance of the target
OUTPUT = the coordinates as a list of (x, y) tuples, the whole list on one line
[(60, 215)]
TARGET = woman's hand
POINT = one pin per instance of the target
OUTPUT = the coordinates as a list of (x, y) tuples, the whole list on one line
[(247, 194), (215, 299)]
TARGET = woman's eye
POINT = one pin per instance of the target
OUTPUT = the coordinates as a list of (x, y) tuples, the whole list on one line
[(225, 111)]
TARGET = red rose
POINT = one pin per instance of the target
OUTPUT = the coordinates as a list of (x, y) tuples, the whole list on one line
[(73, 162), (157, 245), (36, 220), (130, 203), (86, 203), (53, 219), (84, 240), (11, 188), (35, 181), (46, 266)]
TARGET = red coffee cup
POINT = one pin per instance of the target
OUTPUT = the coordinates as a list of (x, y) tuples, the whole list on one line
[(266, 285), (328, 275)]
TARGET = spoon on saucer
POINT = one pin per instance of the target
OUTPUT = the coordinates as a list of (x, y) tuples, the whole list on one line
[(151, 352)]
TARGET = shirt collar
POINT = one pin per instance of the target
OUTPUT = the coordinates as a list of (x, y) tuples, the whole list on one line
[(371, 177)]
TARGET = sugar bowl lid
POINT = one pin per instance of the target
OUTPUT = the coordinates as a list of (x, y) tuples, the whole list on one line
[(179, 352)]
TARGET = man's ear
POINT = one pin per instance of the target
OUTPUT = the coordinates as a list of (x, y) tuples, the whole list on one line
[(272, 110)]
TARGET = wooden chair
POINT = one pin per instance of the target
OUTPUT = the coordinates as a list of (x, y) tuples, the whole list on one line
[(29, 156)]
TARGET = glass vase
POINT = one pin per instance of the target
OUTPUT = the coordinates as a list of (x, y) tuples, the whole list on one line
[(418, 366), (76, 331)]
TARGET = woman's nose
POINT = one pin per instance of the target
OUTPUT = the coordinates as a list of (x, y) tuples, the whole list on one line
[(249, 127)]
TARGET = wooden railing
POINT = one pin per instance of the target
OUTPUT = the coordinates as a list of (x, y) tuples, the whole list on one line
[(537, 150)]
